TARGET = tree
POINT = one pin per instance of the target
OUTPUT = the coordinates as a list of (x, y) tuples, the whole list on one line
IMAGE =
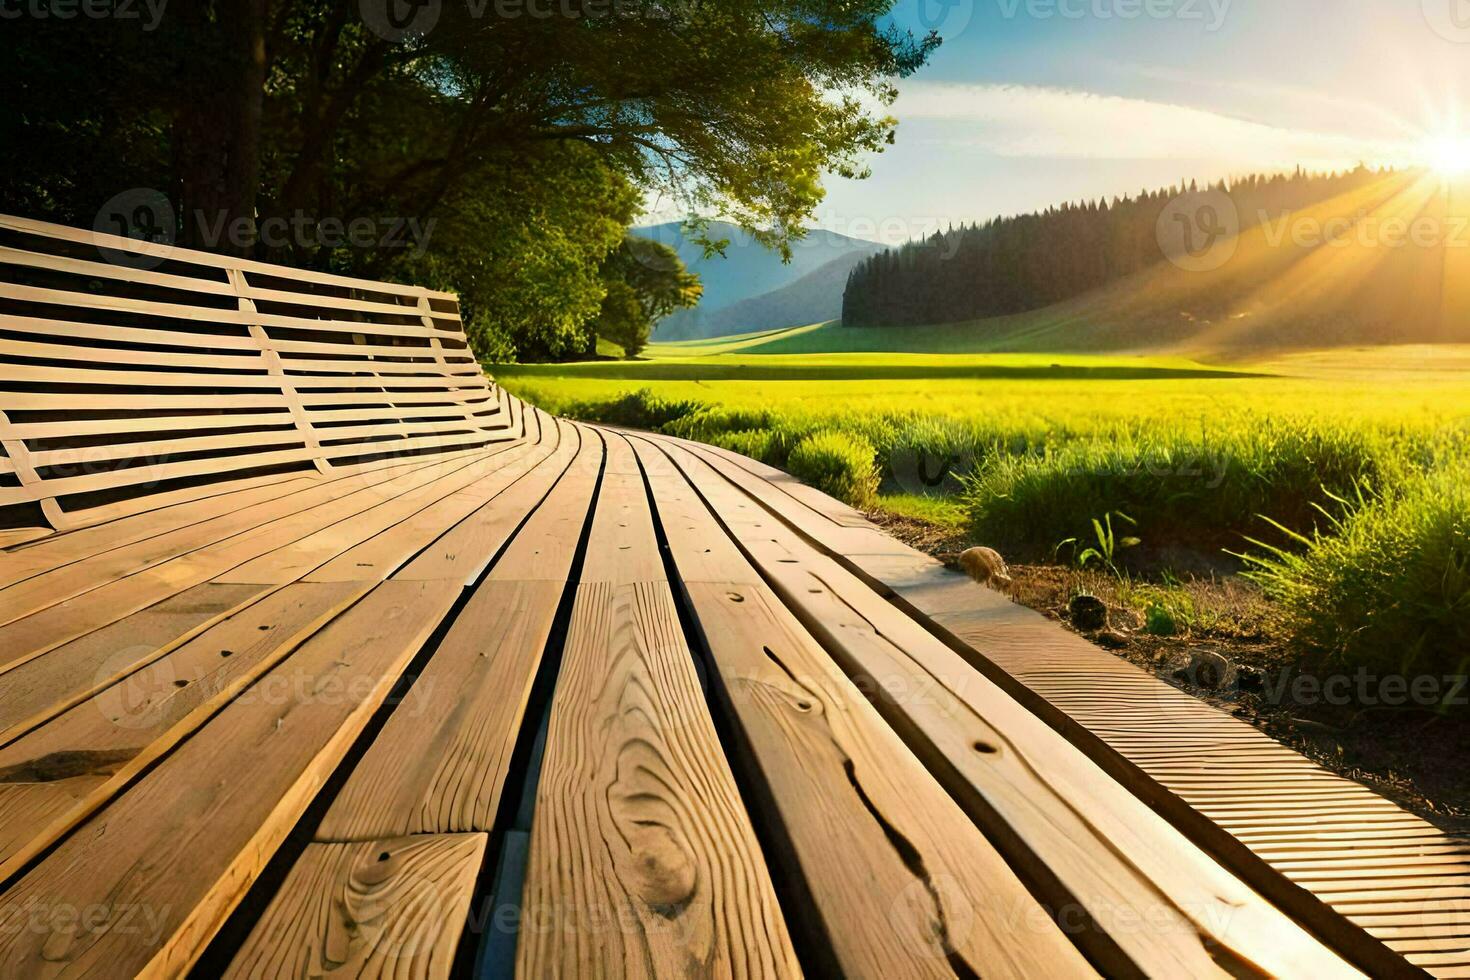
[(645, 281), (479, 120)]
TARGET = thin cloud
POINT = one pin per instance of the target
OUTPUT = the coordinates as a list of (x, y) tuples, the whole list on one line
[(1027, 121)]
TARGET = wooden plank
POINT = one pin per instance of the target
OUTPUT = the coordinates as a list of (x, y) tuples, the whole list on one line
[(185, 843), (91, 572), (844, 788), (94, 749), (439, 763), (207, 259), (380, 556), (306, 554), (440, 766), (35, 635), (1079, 838), (443, 766), (380, 908), (42, 688), (638, 824), (537, 550)]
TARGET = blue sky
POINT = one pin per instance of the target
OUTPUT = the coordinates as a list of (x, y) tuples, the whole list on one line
[(1034, 102)]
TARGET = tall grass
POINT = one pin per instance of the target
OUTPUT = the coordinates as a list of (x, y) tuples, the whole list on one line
[(1387, 586), (1202, 490)]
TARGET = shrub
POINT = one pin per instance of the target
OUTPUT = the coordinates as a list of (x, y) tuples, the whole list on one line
[(640, 409), (1386, 587), (755, 443), (837, 463)]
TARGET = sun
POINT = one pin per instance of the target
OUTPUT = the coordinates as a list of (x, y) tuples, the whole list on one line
[(1448, 156)]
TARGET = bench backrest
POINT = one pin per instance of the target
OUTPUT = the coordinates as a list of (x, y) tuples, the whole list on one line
[(134, 374)]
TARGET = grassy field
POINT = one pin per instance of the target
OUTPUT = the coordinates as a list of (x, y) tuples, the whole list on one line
[(1214, 467)]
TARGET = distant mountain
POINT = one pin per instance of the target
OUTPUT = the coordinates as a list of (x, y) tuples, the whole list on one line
[(754, 279), (814, 298)]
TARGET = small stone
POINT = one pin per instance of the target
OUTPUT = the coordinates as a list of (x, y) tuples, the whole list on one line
[(1088, 613), (1111, 639), (1208, 668)]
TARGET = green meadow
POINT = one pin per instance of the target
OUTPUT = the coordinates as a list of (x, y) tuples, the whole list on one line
[(1266, 467)]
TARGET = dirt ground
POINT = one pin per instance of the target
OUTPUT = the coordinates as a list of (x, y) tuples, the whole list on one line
[(1415, 757)]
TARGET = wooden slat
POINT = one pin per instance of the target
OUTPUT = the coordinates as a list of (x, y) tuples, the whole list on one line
[(375, 909), (902, 882), (41, 632), (45, 686), (187, 840), (63, 771), (439, 763), (536, 551), (208, 259), (638, 822), (1056, 815)]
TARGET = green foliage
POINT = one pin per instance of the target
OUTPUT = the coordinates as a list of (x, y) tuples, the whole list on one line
[(1015, 264), (524, 250), (1160, 620), (1106, 547), (755, 443), (645, 280), (837, 463), (1194, 491), (1385, 585), (511, 143)]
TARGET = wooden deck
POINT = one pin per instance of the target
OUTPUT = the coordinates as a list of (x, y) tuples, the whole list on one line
[(335, 658)]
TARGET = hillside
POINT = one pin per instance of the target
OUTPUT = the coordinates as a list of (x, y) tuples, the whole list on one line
[(1383, 262), (789, 294)]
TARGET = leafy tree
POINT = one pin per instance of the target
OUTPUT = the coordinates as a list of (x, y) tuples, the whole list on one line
[(645, 281), (480, 116)]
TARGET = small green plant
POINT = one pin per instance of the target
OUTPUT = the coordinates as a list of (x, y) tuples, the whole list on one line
[(1108, 547), (1159, 620)]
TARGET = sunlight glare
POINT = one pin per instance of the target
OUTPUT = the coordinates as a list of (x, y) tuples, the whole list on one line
[(1448, 156)]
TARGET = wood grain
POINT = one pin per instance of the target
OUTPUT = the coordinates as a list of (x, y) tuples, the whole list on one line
[(439, 764), (902, 882), (1076, 835), (642, 859), (181, 847), (93, 749), (387, 908)]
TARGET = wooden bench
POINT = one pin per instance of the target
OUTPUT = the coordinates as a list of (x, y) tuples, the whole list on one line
[(319, 653)]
